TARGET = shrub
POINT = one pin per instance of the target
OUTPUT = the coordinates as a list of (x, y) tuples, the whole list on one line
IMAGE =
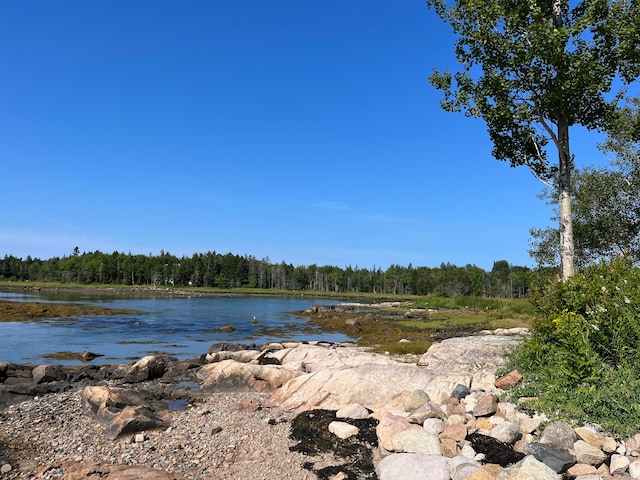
[(582, 360)]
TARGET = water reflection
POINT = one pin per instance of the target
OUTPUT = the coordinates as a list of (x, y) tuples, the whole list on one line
[(182, 327)]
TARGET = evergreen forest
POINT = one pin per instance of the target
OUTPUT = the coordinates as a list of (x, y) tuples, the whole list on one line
[(230, 271)]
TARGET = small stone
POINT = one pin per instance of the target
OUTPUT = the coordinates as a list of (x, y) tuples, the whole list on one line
[(449, 447), (6, 468), (468, 451), (455, 420), (560, 434), (484, 424), (586, 453), (455, 432), (417, 440), (505, 432), (486, 472), (462, 468), (528, 467), (339, 476), (509, 380), (487, 405), (580, 469), (554, 457), (460, 391), (619, 464), (212, 430), (343, 430), (433, 426), (521, 446), (590, 436), (529, 424), (609, 444), (139, 438)]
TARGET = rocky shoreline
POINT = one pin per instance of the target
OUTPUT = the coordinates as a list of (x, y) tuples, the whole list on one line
[(294, 411)]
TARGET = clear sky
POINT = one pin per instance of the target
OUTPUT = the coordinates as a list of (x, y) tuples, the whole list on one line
[(300, 131)]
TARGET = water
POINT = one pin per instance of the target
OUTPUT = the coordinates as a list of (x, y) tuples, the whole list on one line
[(180, 327)]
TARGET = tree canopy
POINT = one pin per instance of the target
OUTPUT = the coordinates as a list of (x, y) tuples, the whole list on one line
[(606, 205), (534, 68)]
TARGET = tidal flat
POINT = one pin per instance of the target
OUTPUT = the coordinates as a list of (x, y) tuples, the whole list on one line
[(11, 311)]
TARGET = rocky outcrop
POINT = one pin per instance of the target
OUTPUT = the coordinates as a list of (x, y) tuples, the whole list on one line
[(442, 414), (347, 375), (125, 410)]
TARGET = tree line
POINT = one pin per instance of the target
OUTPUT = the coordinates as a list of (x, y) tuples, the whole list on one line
[(227, 271)]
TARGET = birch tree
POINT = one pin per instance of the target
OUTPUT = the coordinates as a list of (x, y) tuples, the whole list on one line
[(532, 69), (605, 201)]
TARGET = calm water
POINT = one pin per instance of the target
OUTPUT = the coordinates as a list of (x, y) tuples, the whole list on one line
[(181, 327)]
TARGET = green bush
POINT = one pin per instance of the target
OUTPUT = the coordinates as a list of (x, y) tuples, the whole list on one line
[(582, 361)]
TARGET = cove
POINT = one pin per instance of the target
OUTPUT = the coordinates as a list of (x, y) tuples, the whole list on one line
[(181, 327)]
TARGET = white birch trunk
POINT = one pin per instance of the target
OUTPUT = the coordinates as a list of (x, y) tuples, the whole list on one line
[(564, 202)]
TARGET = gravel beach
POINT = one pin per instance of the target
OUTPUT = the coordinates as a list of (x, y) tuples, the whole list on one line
[(221, 436)]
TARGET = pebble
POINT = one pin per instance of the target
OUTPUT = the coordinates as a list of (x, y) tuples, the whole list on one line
[(54, 429)]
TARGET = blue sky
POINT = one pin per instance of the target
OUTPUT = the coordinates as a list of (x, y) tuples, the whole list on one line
[(304, 132)]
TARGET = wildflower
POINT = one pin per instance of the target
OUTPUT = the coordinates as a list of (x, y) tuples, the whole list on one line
[(626, 300), (604, 289)]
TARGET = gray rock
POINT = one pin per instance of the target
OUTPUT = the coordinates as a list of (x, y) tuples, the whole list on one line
[(48, 373), (428, 410), (389, 426), (506, 432), (634, 469), (460, 391), (559, 434), (528, 469), (409, 466), (554, 457), (416, 440), (461, 467), (147, 368), (10, 370), (11, 393), (433, 425)]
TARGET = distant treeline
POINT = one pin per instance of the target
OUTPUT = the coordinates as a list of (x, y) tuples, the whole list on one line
[(228, 271)]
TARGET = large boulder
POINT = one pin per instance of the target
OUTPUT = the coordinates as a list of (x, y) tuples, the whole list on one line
[(124, 410), (147, 368), (12, 373), (48, 373)]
